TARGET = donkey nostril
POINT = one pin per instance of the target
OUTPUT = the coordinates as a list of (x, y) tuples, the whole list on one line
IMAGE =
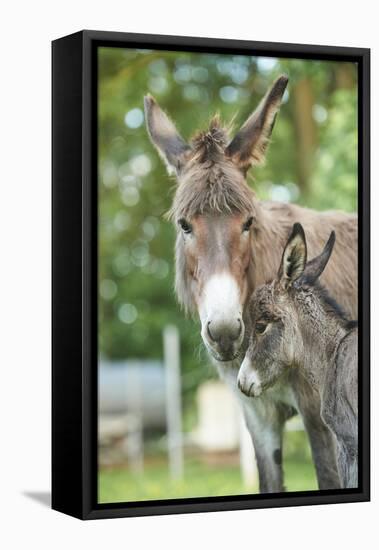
[(209, 332), (224, 333)]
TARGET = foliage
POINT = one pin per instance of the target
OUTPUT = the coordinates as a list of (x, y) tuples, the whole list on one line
[(335, 172)]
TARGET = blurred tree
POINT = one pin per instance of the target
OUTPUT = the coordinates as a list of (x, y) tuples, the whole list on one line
[(306, 131)]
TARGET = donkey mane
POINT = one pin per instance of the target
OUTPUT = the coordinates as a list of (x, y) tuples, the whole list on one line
[(210, 182), (328, 303), (332, 307)]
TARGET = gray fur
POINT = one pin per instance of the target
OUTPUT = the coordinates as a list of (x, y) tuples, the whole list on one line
[(300, 334)]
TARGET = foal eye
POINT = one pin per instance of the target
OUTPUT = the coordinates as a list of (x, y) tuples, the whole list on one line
[(187, 228), (246, 226), (260, 328)]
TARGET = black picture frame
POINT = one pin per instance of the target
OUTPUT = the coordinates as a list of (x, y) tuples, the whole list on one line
[(74, 273)]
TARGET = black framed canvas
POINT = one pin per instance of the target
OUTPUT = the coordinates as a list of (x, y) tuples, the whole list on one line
[(210, 293)]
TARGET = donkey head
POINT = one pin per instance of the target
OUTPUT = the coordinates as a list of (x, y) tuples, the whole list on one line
[(280, 310), (214, 212)]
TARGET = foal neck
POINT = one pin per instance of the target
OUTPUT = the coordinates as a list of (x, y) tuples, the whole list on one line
[(321, 331)]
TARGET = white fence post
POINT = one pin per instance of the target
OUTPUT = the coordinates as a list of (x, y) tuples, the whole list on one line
[(173, 401), (248, 465), (135, 438)]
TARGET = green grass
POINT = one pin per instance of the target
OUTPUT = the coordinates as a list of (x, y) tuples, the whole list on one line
[(200, 479)]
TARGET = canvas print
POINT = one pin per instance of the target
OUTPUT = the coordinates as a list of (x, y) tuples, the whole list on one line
[(227, 275)]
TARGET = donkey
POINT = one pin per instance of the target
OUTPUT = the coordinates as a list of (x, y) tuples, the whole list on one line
[(299, 332), (227, 243)]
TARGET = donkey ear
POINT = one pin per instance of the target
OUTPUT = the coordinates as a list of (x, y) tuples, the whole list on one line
[(315, 267), (163, 134), (248, 147), (294, 257)]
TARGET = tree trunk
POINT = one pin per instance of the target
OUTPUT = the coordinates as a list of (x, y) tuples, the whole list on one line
[(345, 77), (306, 131)]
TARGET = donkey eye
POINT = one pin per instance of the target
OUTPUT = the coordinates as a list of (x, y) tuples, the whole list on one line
[(187, 228), (246, 226), (260, 328)]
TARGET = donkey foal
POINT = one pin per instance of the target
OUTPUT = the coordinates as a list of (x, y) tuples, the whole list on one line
[(299, 331)]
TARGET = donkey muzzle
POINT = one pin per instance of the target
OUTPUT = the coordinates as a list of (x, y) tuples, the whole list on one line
[(220, 310), (248, 381), (224, 338)]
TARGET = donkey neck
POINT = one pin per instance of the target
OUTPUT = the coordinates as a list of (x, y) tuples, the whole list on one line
[(273, 221), (321, 332)]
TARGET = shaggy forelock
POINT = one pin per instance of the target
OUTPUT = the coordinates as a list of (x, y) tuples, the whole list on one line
[(210, 145), (210, 182)]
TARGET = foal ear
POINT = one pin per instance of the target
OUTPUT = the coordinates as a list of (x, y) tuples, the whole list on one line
[(315, 267), (163, 134), (248, 147), (294, 257)]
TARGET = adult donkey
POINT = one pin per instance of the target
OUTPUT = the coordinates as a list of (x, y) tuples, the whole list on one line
[(228, 242)]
